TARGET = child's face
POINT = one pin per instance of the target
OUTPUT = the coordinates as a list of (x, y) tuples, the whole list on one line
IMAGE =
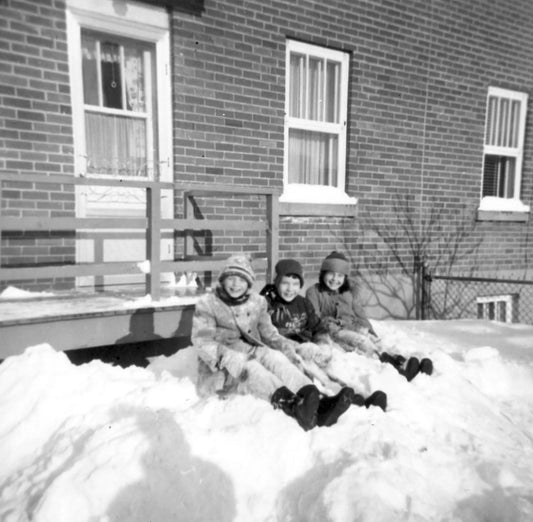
[(334, 280), (288, 287), (235, 286)]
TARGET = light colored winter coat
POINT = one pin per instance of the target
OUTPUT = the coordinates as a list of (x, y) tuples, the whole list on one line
[(339, 310), (229, 339)]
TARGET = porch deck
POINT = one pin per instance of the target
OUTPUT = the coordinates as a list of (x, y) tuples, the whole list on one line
[(76, 320)]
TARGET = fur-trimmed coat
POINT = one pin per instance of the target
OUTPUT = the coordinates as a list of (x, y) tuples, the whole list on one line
[(226, 336), (339, 310)]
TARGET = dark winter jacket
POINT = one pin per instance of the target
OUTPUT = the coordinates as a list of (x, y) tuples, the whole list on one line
[(339, 310), (296, 320)]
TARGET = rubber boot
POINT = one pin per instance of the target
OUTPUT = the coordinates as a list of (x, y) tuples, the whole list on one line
[(378, 398), (412, 368), (331, 408), (426, 366), (305, 407)]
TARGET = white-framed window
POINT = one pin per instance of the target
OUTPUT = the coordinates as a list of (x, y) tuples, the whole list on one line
[(120, 87), (497, 308), (503, 146), (316, 94)]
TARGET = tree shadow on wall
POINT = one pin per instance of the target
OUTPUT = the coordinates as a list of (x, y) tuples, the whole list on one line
[(395, 248), (176, 485)]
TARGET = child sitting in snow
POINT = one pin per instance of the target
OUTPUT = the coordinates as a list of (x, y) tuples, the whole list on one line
[(295, 318), (335, 298), (239, 350)]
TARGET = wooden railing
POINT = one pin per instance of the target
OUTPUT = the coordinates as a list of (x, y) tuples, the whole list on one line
[(153, 225)]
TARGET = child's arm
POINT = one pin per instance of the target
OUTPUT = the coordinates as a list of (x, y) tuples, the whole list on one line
[(208, 344)]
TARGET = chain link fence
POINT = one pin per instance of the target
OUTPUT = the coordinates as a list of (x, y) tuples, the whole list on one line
[(505, 300)]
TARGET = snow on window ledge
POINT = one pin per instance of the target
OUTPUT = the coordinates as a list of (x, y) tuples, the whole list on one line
[(302, 193), (502, 209), (316, 200)]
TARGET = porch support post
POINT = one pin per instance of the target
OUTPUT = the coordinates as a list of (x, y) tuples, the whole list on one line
[(272, 235), (153, 240)]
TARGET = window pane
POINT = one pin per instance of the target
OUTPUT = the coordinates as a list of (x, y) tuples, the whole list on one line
[(498, 176), (502, 311), (332, 91), (480, 311), (111, 77), (89, 69), (515, 120), (313, 157), (297, 86), (490, 314), (316, 88), (116, 145), (134, 78), (491, 121), (504, 122)]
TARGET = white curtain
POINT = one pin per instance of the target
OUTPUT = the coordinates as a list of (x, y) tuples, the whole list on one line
[(116, 145)]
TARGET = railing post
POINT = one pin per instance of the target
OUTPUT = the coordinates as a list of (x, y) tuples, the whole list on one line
[(153, 240), (188, 211), (272, 235)]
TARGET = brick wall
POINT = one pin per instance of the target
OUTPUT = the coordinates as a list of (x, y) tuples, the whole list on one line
[(35, 125), (419, 74)]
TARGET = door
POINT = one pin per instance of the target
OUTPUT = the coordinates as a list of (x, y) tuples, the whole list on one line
[(119, 133)]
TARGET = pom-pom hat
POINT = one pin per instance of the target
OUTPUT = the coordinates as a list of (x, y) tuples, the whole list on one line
[(336, 262), (286, 267), (239, 265)]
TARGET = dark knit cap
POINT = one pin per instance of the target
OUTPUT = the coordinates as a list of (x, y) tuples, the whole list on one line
[(239, 265), (336, 262), (285, 267)]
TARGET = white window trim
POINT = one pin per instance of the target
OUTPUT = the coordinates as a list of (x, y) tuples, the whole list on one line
[(507, 299), (303, 193), (514, 204), (133, 20)]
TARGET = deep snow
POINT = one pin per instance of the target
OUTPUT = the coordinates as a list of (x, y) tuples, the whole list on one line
[(101, 443)]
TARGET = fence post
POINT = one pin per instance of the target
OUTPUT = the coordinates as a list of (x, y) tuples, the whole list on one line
[(272, 235), (153, 240), (417, 287)]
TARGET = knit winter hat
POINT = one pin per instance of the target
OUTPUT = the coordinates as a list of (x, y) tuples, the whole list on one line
[(336, 262), (286, 267), (239, 265)]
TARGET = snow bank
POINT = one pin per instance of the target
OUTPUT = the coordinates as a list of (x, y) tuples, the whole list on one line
[(101, 443)]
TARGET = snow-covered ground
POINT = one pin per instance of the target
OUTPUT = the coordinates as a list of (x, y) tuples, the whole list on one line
[(100, 443)]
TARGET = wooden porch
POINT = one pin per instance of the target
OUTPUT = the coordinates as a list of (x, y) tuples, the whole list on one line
[(70, 320)]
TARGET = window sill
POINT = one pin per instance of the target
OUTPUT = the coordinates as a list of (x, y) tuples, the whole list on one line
[(502, 215), (316, 200), (502, 209), (317, 209)]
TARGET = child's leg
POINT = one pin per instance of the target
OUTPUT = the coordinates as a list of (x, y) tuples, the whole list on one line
[(283, 369), (259, 381), (320, 353), (355, 341)]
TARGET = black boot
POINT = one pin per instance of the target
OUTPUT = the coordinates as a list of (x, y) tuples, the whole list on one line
[(302, 406), (426, 366), (305, 408), (396, 360), (412, 368), (283, 399), (357, 399), (378, 398), (331, 408)]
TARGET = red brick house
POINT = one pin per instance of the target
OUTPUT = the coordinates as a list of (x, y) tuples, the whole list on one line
[(371, 119)]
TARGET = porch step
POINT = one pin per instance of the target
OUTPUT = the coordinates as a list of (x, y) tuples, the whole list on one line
[(77, 320)]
